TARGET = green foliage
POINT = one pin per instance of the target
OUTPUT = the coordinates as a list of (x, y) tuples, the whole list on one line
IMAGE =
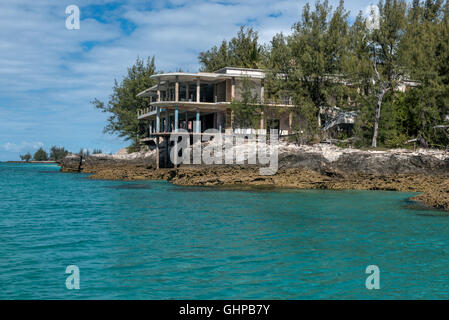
[(58, 153), (329, 62), (124, 103), (97, 151), (40, 155), (426, 48), (247, 109), (242, 51), (308, 66), (26, 157), (411, 44)]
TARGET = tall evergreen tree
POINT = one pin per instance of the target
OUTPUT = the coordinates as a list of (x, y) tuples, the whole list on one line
[(242, 51), (123, 103), (58, 153), (40, 155), (388, 63), (318, 45), (425, 46)]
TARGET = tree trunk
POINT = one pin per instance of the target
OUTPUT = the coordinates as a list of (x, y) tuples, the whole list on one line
[(380, 98)]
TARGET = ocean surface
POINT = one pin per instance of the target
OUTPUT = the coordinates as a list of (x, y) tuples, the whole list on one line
[(153, 240)]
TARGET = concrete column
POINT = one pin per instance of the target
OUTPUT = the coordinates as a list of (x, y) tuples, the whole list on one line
[(177, 89), (219, 121), (198, 90), (262, 91), (290, 122), (167, 124), (151, 127), (166, 152), (187, 91), (233, 89), (228, 90), (158, 119), (262, 120), (158, 92), (215, 93), (176, 119), (197, 128), (157, 152)]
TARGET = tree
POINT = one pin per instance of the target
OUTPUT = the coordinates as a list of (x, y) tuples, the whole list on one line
[(426, 48), (279, 66), (385, 50), (242, 51), (27, 157), (359, 72), (40, 155), (318, 47), (124, 103), (246, 109), (58, 153)]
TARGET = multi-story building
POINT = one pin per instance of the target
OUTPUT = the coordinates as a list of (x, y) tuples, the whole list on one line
[(200, 101)]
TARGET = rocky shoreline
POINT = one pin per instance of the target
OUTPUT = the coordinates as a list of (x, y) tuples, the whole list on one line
[(302, 167)]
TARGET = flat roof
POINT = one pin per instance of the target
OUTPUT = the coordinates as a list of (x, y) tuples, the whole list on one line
[(147, 92), (221, 74), (185, 76), (224, 73)]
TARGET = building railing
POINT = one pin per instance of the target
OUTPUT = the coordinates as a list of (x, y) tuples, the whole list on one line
[(279, 101), (288, 101), (145, 110)]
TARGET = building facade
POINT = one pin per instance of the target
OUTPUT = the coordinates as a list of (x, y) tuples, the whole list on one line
[(200, 101)]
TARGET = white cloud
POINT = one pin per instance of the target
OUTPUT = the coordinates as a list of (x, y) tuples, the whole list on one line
[(48, 74), (23, 146)]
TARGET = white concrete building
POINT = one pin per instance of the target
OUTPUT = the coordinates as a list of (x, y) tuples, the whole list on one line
[(179, 99)]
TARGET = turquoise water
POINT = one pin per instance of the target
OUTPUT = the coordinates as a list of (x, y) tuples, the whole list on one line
[(153, 240)]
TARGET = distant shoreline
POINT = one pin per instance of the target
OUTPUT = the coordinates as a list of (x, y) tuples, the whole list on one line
[(31, 162)]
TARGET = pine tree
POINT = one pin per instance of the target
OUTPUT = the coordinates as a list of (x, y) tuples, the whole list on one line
[(243, 51), (123, 103), (319, 43), (40, 155), (426, 49)]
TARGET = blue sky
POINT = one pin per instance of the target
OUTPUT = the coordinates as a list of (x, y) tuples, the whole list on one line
[(49, 75)]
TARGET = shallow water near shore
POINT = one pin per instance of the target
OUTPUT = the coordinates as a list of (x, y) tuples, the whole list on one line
[(154, 240)]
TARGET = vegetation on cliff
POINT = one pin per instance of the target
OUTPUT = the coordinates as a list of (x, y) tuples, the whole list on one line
[(328, 61)]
